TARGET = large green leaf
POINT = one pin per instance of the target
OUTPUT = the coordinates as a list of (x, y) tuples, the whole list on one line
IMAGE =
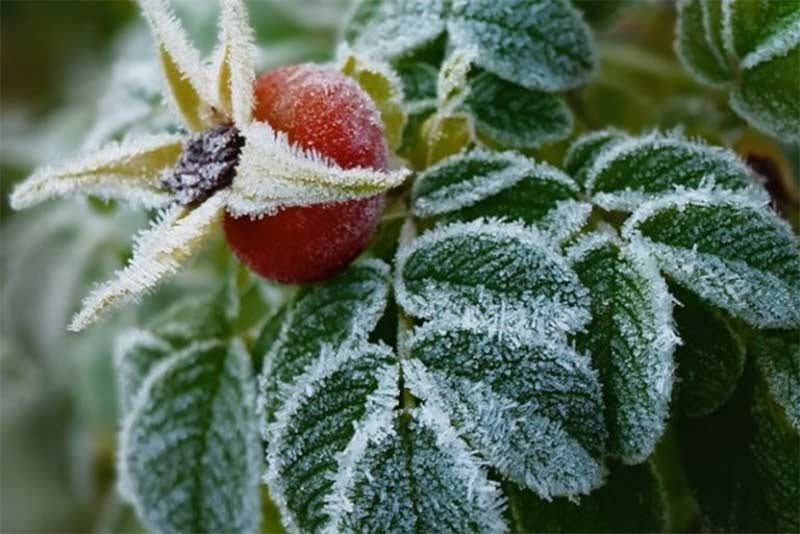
[(418, 476), (752, 47), (511, 116), (710, 358), (343, 309), (188, 457), (532, 408), (582, 153), (630, 338), (538, 44), (626, 173), (730, 249), (630, 501), (501, 271)]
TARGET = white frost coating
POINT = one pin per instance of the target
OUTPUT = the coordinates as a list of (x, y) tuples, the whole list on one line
[(546, 314), (306, 389), (727, 28), (565, 220), (452, 87), (777, 45), (229, 493), (175, 49), (756, 295), (236, 72), (708, 32), (473, 188), (631, 198), (273, 172), (158, 252), (684, 58), (129, 170), (130, 372)]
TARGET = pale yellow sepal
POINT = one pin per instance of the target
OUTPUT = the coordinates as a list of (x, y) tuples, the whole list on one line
[(189, 87), (128, 171), (234, 72), (158, 252), (272, 172), (383, 86)]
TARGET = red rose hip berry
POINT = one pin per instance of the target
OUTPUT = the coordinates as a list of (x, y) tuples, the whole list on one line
[(321, 109)]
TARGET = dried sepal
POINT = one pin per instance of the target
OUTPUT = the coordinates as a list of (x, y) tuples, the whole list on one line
[(129, 170), (234, 74), (273, 173), (186, 77), (158, 252)]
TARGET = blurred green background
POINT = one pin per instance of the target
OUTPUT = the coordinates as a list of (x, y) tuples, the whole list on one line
[(76, 74)]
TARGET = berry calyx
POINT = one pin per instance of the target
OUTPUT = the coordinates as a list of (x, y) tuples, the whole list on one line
[(319, 109)]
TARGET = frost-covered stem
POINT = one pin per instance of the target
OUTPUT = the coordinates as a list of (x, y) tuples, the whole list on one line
[(404, 323)]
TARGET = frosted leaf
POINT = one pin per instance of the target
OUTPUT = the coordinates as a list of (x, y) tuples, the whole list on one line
[(337, 312), (503, 271), (631, 500), (538, 44), (383, 86), (235, 71), (158, 252), (778, 359), (188, 458), (512, 116), (729, 249), (452, 87), (333, 409), (710, 359), (586, 149), (129, 170), (532, 408), (630, 338), (273, 173), (760, 42), (768, 96), (194, 317), (465, 179), (417, 475), (135, 354), (392, 28), (698, 41), (637, 169), (190, 89)]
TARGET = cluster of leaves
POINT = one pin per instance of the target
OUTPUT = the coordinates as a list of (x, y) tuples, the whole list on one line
[(516, 365)]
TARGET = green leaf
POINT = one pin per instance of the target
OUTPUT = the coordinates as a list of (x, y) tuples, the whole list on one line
[(731, 250), (419, 86), (390, 29), (755, 42), (492, 269), (538, 44), (630, 338), (698, 41), (341, 310), (630, 501), (464, 179), (626, 173), (136, 353), (188, 457), (710, 358), (418, 476), (331, 411), (511, 116), (532, 408), (777, 437), (194, 317), (586, 149), (768, 97)]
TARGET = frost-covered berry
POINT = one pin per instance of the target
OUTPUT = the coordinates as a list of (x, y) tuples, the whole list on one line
[(323, 110)]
